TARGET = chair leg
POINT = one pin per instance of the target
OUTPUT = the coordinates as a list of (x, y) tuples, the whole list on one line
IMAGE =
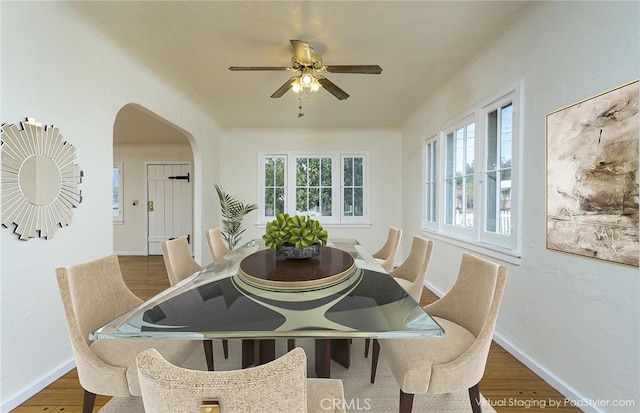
[(208, 353), (89, 402), (367, 342), (291, 344), (406, 402), (474, 396), (225, 348), (374, 359)]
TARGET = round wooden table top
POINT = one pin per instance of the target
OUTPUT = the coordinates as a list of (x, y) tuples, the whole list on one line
[(265, 269)]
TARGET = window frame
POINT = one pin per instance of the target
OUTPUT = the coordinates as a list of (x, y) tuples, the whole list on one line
[(478, 238), (356, 219), (512, 240), (431, 185), (461, 231), (337, 184)]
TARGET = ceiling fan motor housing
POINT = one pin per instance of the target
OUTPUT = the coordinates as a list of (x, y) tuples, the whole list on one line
[(315, 63)]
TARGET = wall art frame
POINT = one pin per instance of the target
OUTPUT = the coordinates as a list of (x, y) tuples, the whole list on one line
[(592, 172), (39, 179)]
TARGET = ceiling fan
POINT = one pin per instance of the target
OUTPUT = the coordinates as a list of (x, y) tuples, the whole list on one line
[(310, 77)]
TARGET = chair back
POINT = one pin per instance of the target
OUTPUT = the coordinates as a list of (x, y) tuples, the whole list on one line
[(477, 290), (277, 386), (178, 260), (93, 294), (414, 268), (386, 256), (217, 246)]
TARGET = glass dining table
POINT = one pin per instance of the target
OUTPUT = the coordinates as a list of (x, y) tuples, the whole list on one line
[(253, 295)]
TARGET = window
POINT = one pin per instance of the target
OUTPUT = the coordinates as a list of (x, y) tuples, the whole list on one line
[(430, 183), (353, 187), (314, 190), (116, 203), (470, 177), (498, 169), (331, 187), (274, 185), (459, 175)]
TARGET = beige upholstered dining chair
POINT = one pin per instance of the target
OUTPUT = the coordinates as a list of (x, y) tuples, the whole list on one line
[(455, 362), (412, 272), (217, 246), (180, 264), (278, 386), (386, 256), (93, 294), (178, 259)]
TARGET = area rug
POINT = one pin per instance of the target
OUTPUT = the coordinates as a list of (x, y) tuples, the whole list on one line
[(360, 395)]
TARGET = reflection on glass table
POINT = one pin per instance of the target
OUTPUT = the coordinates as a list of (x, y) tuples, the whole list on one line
[(251, 294)]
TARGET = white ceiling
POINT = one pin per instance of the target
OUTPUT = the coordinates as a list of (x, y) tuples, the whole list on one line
[(191, 44)]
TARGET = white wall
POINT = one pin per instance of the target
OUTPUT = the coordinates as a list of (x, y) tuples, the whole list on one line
[(572, 319), (130, 237), (60, 72), (239, 171)]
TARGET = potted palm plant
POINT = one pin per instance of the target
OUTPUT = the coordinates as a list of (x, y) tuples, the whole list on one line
[(295, 237), (232, 211)]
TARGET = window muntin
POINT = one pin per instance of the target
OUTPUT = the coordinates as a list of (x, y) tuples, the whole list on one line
[(330, 187)]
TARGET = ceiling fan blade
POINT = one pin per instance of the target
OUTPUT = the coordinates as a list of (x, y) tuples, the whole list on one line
[(247, 68), (284, 88), (367, 69), (332, 88), (301, 52)]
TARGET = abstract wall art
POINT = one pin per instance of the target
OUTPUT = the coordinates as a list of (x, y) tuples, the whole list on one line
[(592, 176)]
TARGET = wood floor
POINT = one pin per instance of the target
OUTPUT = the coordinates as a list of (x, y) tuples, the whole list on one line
[(507, 384)]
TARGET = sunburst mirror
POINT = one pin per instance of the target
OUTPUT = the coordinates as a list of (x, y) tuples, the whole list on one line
[(39, 179)]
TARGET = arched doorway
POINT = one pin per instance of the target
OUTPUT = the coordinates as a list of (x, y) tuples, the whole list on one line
[(153, 157)]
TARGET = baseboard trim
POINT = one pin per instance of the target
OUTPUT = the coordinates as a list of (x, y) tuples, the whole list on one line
[(37, 386), (545, 374), (136, 253), (566, 390)]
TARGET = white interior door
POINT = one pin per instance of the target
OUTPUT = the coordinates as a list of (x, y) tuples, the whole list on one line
[(169, 204)]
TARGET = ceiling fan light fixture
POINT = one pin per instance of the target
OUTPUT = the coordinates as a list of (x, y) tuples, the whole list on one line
[(306, 82), (307, 79)]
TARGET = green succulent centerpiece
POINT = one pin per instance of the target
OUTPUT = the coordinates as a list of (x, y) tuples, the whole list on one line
[(296, 236)]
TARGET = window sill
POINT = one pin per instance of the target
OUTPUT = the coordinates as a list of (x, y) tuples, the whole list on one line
[(503, 254)]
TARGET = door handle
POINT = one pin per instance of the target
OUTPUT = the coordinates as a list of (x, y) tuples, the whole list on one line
[(150, 206)]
